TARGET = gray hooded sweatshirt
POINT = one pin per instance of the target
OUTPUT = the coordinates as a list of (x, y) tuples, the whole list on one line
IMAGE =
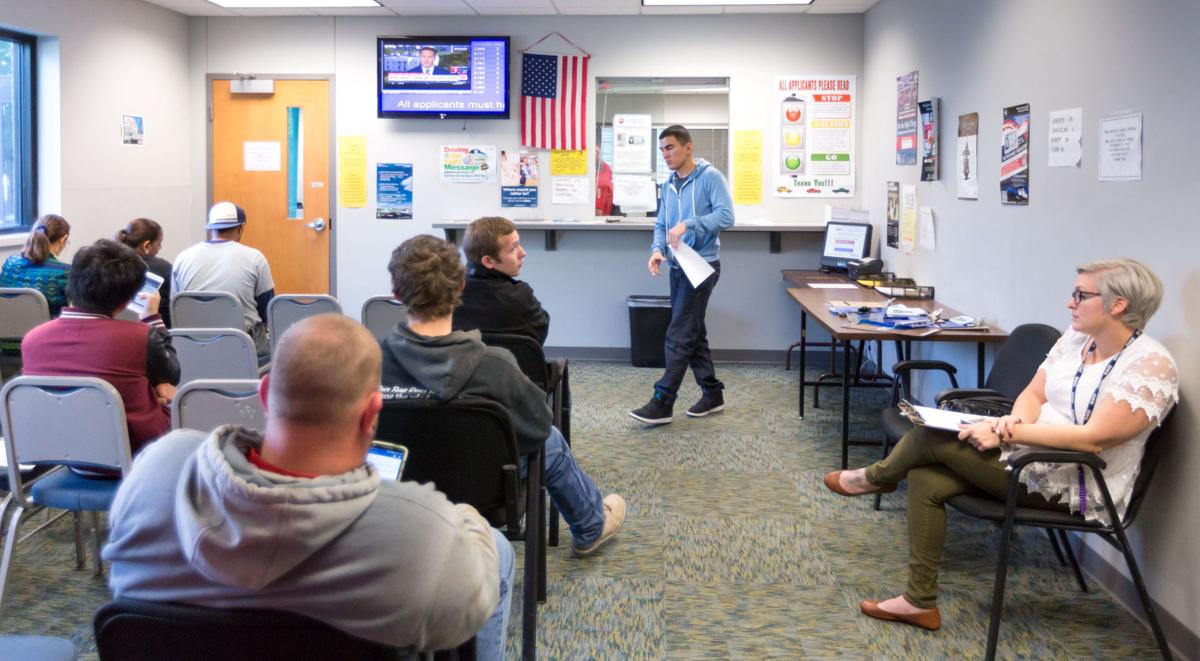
[(461, 365), (392, 562)]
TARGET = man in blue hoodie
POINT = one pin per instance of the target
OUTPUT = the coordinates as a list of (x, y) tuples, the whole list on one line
[(694, 208)]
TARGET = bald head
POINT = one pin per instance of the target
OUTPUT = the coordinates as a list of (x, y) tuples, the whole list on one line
[(323, 369)]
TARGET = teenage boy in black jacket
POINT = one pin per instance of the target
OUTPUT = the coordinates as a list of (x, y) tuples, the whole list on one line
[(494, 300)]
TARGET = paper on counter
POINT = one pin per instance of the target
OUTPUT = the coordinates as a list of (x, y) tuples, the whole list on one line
[(832, 285), (694, 267)]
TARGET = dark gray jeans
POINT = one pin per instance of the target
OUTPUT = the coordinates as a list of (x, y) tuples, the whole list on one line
[(687, 336)]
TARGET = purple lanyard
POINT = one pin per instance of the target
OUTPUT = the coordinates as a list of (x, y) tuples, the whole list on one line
[(1087, 414)]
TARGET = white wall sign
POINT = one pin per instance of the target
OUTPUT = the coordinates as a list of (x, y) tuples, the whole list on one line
[(1066, 129), (569, 190), (1121, 148), (632, 143), (261, 157)]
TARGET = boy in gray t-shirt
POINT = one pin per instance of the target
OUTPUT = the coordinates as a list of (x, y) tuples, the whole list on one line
[(223, 264)]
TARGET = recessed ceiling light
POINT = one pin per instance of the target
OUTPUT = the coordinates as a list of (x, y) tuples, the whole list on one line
[(710, 3), (293, 4)]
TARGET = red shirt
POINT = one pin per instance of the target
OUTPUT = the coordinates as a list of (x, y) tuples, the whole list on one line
[(256, 459)]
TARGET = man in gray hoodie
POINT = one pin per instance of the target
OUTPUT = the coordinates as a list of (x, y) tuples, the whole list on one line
[(425, 358), (294, 520)]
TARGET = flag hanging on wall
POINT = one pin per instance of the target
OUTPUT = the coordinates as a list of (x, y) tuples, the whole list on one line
[(554, 101)]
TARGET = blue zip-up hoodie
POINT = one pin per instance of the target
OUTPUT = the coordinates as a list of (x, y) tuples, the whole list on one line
[(703, 203)]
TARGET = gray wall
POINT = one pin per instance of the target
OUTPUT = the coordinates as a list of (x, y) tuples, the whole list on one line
[(98, 60), (584, 283), (1014, 264)]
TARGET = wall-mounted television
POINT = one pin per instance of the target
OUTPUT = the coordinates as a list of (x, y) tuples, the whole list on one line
[(443, 77)]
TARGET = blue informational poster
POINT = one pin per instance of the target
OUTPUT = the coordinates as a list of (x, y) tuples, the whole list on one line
[(518, 196), (393, 191), (906, 118)]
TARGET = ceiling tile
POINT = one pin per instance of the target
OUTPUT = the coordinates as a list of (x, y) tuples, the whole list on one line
[(192, 7)]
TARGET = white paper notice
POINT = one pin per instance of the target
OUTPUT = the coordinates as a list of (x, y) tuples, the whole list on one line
[(632, 148), (832, 285), (1066, 129), (634, 192), (569, 190), (694, 267), (1121, 148), (261, 157), (926, 233)]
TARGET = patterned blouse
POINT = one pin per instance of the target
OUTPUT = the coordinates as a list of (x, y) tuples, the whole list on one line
[(1144, 379), (49, 277)]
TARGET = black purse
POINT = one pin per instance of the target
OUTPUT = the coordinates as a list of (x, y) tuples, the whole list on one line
[(992, 406)]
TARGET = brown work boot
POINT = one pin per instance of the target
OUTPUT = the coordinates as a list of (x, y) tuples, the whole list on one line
[(614, 516)]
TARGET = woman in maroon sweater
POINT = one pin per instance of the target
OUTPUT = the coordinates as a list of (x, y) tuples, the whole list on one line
[(136, 358)]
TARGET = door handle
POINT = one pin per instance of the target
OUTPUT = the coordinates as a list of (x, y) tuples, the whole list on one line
[(318, 225)]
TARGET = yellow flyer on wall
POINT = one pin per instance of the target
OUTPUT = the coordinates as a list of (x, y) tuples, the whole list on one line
[(747, 167), (814, 118), (566, 162), (352, 171)]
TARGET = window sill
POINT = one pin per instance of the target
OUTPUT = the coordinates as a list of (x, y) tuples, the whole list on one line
[(14, 239)]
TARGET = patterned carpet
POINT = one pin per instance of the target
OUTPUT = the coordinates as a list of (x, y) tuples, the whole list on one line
[(732, 548)]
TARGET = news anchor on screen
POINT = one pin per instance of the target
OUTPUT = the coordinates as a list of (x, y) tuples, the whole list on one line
[(429, 63)]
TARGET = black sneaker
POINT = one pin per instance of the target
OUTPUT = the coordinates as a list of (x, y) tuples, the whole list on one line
[(656, 412), (711, 402)]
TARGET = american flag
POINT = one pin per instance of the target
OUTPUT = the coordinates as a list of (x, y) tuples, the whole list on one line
[(554, 101)]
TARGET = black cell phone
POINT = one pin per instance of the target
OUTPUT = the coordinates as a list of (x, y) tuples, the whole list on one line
[(388, 459)]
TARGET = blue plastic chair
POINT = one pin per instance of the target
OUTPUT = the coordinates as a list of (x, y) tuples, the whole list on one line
[(62, 420)]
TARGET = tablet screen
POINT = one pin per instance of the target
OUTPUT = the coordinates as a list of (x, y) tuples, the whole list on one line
[(150, 285), (388, 459)]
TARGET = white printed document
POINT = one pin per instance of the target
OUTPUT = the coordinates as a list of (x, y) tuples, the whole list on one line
[(694, 267), (937, 418)]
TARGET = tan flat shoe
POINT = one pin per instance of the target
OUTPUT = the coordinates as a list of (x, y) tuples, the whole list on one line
[(833, 483), (930, 619)]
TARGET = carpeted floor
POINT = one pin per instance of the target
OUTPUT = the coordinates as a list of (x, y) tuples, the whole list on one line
[(732, 548)]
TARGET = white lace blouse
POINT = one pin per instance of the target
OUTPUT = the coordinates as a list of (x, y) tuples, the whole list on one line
[(1144, 378)]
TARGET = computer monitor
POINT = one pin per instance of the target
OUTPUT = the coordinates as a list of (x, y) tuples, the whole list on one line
[(845, 242)]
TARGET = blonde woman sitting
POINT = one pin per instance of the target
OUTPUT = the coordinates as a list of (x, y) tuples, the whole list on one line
[(1102, 388)]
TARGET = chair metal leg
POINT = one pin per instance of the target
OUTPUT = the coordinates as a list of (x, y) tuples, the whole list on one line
[(1066, 545), (96, 543), (529, 605), (542, 548), (10, 544), (79, 553), (1054, 545), (1159, 637), (1001, 571)]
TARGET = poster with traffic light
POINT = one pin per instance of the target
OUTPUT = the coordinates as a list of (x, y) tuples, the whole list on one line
[(814, 146)]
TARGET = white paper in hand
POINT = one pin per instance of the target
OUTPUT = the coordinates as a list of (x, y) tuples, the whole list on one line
[(694, 267)]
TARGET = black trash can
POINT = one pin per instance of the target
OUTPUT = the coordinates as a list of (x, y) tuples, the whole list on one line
[(649, 317)]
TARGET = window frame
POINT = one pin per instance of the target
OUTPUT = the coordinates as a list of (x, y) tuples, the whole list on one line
[(26, 120)]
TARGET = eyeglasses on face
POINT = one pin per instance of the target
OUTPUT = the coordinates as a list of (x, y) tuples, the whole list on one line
[(1078, 295)]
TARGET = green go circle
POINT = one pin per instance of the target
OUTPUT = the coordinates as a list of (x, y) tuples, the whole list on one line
[(792, 162)]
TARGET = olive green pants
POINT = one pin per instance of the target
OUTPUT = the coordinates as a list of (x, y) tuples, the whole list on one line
[(938, 467)]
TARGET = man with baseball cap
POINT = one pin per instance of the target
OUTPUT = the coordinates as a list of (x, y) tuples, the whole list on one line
[(223, 264)]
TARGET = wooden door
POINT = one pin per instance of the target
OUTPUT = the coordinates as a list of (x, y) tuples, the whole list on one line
[(254, 156)]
